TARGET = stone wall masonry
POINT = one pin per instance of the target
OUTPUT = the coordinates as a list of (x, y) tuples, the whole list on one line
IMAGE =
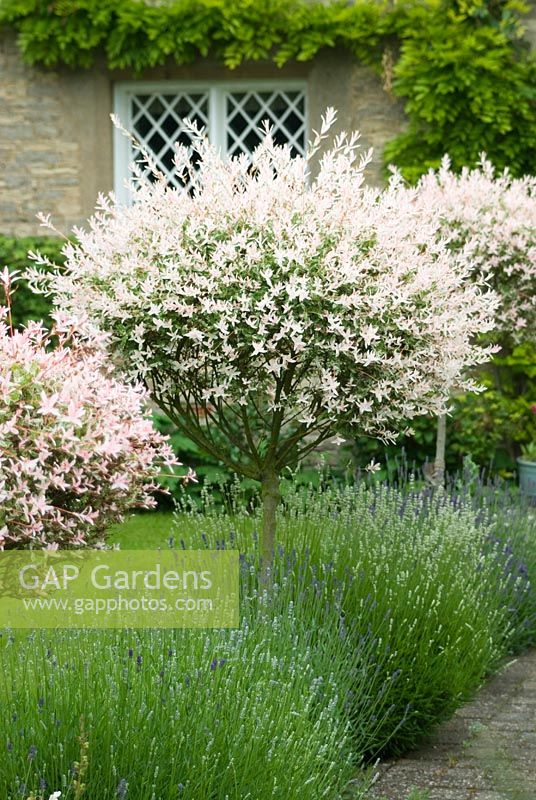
[(31, 149), (56, 151), (55, 143)]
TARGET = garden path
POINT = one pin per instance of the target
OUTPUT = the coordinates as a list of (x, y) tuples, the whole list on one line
[(486, 752)]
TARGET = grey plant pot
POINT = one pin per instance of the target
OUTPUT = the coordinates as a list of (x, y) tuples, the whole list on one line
[(527, 476)]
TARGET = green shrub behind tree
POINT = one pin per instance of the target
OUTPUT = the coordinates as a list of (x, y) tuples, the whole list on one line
[(14, 254)]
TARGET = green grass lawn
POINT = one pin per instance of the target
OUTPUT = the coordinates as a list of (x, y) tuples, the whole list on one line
[(144, 531), (154, 529)]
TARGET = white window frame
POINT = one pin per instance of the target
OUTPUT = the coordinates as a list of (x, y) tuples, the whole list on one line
[(123, 91)]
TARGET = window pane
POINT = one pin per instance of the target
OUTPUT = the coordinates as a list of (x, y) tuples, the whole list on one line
[(245, 111), (231, 115), (157, 123)]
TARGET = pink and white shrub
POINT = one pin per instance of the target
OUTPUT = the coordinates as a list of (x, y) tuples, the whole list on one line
[(76, 451), (492, 217), (279, 303)]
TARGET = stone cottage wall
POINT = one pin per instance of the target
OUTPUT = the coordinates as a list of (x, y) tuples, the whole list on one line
[(56, 135), (55, 143)]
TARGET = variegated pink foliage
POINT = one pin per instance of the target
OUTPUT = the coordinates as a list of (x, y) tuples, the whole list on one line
[(277, 304), (492, 217), (76, 450)]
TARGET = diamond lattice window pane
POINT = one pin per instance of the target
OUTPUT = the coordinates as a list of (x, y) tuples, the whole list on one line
[(157, 123), (231, 114), (246, 110)]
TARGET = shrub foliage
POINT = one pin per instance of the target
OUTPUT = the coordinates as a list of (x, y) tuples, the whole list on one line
[(267, 310), (76, 450), (27, 305)]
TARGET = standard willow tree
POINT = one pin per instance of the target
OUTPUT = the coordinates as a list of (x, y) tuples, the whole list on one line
[(489, 217), (267, 309)]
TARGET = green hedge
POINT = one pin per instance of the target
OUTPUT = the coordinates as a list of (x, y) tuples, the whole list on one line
[(466, 76), (14, 254)]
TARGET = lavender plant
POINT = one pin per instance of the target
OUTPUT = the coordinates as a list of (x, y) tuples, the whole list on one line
[(256, 712), (387, 610), (424, 577)]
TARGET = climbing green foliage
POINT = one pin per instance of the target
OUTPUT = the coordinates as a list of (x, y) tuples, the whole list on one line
[(466, 76), (469, 82), (137, 35)]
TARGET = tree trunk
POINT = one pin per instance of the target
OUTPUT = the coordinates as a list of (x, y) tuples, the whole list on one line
[(441, 442), (270, 500)]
